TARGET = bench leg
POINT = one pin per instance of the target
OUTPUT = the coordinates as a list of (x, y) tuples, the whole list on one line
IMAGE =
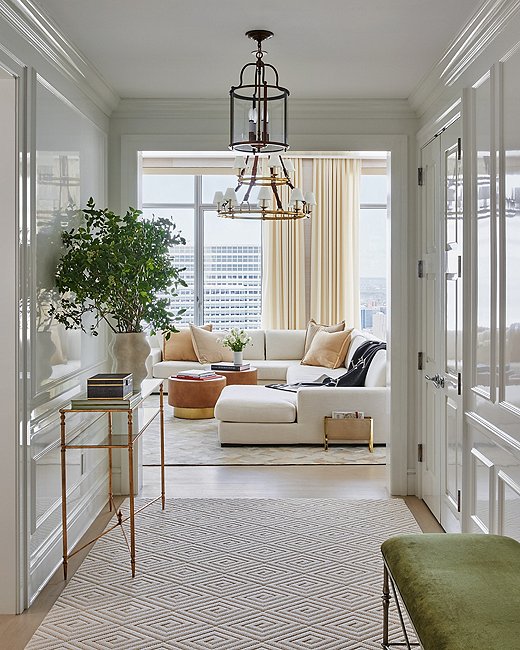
[(386, 645)]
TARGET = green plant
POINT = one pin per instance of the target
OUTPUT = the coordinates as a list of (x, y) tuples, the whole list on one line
[(120, 269), (236, 340)]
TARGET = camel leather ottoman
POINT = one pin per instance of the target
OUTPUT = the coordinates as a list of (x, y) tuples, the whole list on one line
[(194, 399), (240, 377)]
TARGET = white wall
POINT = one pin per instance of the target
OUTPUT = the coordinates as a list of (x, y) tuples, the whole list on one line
[(491, 439), (9, 514), (61, 118)]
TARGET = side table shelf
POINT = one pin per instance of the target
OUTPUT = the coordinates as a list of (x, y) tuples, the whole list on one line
[(112, 441)]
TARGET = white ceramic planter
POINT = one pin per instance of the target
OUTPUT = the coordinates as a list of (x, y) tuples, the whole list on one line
[(129, 354), (238, 357)]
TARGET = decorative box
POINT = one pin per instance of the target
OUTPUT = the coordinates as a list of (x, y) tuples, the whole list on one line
[(110, 386)]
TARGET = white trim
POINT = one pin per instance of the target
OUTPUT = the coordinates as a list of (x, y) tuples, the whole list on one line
[(399, 344), (185, 108), (482, 28), (46, 38)]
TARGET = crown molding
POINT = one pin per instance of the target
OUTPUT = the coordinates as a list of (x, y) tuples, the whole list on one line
[(138, 108), (45, 37), (480, 30)]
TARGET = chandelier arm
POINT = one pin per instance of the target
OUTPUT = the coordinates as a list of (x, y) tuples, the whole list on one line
[(277, 196), (286, 174)]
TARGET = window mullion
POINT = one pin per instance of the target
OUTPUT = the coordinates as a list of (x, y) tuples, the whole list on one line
[(199, 253)]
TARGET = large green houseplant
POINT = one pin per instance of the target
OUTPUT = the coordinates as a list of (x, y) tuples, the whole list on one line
[(119, 270)]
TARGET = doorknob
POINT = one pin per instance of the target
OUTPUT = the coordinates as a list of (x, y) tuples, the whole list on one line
[(437, 380)]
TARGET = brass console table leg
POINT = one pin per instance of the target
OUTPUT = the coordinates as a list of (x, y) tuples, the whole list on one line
[(161, 416), (131, 482), (64, 494)]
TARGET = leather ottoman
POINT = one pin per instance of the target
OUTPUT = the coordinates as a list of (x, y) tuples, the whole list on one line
[(194, 399)]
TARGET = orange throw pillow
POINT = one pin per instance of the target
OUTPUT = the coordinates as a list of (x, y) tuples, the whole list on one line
[(179, 347)]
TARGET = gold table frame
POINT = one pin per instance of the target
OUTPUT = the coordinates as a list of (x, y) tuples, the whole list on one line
[(131, 438)]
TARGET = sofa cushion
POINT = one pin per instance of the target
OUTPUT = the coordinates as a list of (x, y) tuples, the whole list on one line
[(313, 328), (273, 369), (328, 349), (208, 347), (255, 404), (299, 372), (255, 349), (284, 344), (376, 375), (179, 347)]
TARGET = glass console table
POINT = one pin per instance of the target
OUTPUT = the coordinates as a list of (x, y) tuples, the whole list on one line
[(112, 441)]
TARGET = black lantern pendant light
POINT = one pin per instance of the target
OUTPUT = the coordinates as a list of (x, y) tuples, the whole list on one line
[(258, 105), (259, 129)]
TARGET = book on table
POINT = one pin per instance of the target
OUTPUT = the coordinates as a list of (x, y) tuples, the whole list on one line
[(224, 365), (196, 374), (110, 403)]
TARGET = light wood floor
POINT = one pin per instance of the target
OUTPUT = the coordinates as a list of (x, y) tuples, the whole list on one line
[(280, 482)]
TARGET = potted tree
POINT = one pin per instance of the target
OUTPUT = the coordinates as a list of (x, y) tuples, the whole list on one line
[(119, 270)]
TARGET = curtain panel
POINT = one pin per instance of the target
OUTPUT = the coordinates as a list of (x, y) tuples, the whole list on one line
[(335, 241), (283, 268)]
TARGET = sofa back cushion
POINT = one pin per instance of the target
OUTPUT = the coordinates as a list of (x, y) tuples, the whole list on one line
[(376, 375), (179, 347), (313, 328), (208, 347), (328, 349), (255, 350), (284, 344)]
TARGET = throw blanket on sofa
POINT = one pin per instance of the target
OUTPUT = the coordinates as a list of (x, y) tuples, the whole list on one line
[(355, 375), (360, 363)]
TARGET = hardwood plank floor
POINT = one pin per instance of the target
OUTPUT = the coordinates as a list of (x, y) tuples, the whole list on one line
[(275, 482)]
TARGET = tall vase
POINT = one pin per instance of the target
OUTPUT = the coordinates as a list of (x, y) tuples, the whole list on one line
[(238, 357), (129, 354)]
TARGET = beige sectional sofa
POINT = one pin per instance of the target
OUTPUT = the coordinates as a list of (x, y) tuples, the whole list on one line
[(260, 415)]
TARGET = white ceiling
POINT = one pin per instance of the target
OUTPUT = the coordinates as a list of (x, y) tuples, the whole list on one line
[(327, 48)]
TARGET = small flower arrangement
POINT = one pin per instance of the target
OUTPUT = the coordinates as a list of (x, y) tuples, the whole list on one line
[(236, 340)]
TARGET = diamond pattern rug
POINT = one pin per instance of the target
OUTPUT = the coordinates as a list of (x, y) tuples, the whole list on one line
[(233, 574)]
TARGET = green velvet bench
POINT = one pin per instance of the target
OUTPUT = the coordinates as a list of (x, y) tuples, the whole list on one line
[(460, 591)]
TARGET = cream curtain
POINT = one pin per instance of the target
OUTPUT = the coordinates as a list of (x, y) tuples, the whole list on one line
[(334, 241), (283, 269)]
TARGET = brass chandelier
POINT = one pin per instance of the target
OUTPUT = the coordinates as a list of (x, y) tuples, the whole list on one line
[(258, 127)]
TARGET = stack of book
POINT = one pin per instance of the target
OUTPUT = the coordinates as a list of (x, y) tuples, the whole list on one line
[(230, 366), (196, 374), (109, 403)]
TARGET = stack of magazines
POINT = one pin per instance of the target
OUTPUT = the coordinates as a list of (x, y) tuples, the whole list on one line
[(109, 403), (224, 365), (196, 374)]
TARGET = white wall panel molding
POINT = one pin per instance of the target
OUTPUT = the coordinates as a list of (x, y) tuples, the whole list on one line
[(492, 431), (508, 505), (482, 492), (481, 30), (44, 36), (299, 109)]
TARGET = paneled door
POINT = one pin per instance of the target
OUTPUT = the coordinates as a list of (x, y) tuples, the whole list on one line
[(441, 327)]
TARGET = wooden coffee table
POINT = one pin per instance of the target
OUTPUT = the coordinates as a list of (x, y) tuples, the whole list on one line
[(239, 376), (194, 399)]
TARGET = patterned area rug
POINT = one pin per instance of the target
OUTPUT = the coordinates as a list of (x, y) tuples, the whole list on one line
[(195, 442), (234, 574)]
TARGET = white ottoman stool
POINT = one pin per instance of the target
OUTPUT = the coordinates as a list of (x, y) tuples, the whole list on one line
[(256, 415)]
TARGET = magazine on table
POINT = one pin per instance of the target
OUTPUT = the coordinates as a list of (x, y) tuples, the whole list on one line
[(323, 380)]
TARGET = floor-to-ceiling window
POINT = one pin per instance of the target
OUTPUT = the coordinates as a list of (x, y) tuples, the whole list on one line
[(222, 258), (373, 250)]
